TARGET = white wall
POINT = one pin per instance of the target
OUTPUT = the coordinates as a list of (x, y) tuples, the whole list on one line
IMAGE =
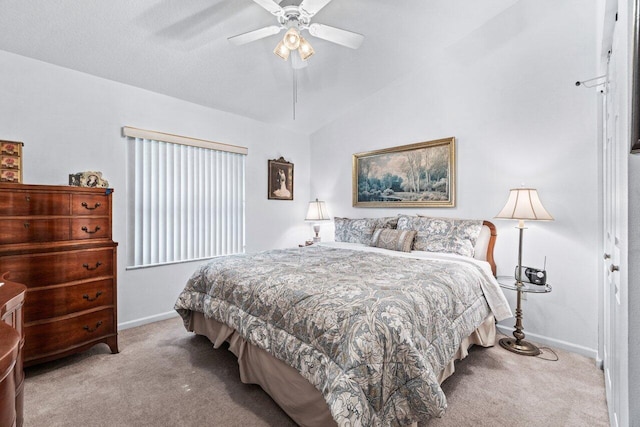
[(71, 122), (507, 93)]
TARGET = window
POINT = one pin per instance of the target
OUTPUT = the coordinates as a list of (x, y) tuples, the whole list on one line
[(188, 198)]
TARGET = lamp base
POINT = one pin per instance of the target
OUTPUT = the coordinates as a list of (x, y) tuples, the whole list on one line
[(316, 239), (522, 347)]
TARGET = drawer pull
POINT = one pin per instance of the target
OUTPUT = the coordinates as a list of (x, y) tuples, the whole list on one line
[(27, 198), (86, 206), (86, 229), (88, 329), (86, 296), (98, 264), (26, 225)]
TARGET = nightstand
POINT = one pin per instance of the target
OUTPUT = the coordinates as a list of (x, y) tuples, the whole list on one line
[(519, 345)]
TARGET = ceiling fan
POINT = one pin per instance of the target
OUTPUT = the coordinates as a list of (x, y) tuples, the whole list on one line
[(294, 19)]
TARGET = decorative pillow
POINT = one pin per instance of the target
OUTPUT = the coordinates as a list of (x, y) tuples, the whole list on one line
[(360, 230), (395, 240), (456, 236)]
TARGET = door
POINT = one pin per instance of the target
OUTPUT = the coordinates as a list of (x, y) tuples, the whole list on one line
[(615, 149)]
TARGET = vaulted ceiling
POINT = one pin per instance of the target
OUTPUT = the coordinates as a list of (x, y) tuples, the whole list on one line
[(180, 48)]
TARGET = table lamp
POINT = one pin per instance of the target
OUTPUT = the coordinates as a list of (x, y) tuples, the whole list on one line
[(317, 212), (524, 205)]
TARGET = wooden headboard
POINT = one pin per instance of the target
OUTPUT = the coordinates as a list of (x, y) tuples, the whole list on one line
[(490, 246)]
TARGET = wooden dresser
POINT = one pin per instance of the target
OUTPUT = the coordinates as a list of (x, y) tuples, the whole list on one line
[(11, 343), (57, 241)]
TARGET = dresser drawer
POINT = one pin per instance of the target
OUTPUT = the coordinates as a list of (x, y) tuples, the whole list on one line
[(90, 228), (90, 204), (33, 230), (60, 335), (19, 203), (54, 268), (45, 303), (57, 240)]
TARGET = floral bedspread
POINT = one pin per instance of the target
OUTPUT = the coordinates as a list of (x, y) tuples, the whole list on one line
[(369, 330)]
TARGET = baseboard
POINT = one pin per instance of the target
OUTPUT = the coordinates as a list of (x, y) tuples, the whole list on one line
[(149, 319), (551, 342), (599, 363)]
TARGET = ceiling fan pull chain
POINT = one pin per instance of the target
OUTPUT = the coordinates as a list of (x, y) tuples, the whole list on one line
[(295, 92)]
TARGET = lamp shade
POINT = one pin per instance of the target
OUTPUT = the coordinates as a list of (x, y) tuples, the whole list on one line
[(305, 50), (282, 51), (292, 39), (317, 211), (524, 204)]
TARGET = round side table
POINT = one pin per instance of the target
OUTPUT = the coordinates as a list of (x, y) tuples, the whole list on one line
[(517, 344)]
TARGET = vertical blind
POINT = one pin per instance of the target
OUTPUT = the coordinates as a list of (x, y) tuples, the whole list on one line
[(189, 202)]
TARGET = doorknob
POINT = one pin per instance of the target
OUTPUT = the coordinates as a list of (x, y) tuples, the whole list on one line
[(607, 256), (613, 268)]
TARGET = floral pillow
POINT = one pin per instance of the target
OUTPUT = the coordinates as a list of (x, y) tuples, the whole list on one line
[(360, 230), (395, 240), (458, 236)]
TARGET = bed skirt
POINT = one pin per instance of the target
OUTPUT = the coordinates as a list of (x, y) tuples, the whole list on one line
[(292, 392)]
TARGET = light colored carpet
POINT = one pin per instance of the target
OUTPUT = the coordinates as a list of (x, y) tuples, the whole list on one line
[(165, 376)]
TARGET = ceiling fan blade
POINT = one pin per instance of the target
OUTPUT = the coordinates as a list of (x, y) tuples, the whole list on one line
[(336, 35), (311, 7), (254, 35), (270, 5)]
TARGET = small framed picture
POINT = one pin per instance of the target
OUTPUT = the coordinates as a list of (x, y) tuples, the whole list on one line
[(280, 180)]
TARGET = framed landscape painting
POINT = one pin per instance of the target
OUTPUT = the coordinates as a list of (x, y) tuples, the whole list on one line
[(417, 175)]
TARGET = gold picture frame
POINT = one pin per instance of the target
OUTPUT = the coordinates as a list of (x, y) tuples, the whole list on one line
[(280, 185), (421, 175)]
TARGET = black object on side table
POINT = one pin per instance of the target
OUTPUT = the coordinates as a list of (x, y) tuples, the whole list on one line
[(519, 345)]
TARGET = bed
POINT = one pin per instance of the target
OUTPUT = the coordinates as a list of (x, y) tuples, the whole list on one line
[(360, 331)]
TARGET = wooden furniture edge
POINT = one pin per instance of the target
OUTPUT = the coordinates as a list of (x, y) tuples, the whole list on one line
[(492, 243), (54, 188), (12, 299)]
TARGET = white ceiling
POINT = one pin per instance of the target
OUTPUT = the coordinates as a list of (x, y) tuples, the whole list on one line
[(179, 48)]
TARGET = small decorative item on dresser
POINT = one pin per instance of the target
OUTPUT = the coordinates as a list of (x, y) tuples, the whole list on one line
[(11, 161), (88, 179)]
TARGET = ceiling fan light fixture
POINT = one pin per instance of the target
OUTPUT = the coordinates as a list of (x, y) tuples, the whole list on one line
[(282, 51), (305, 50), (292, 39)]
